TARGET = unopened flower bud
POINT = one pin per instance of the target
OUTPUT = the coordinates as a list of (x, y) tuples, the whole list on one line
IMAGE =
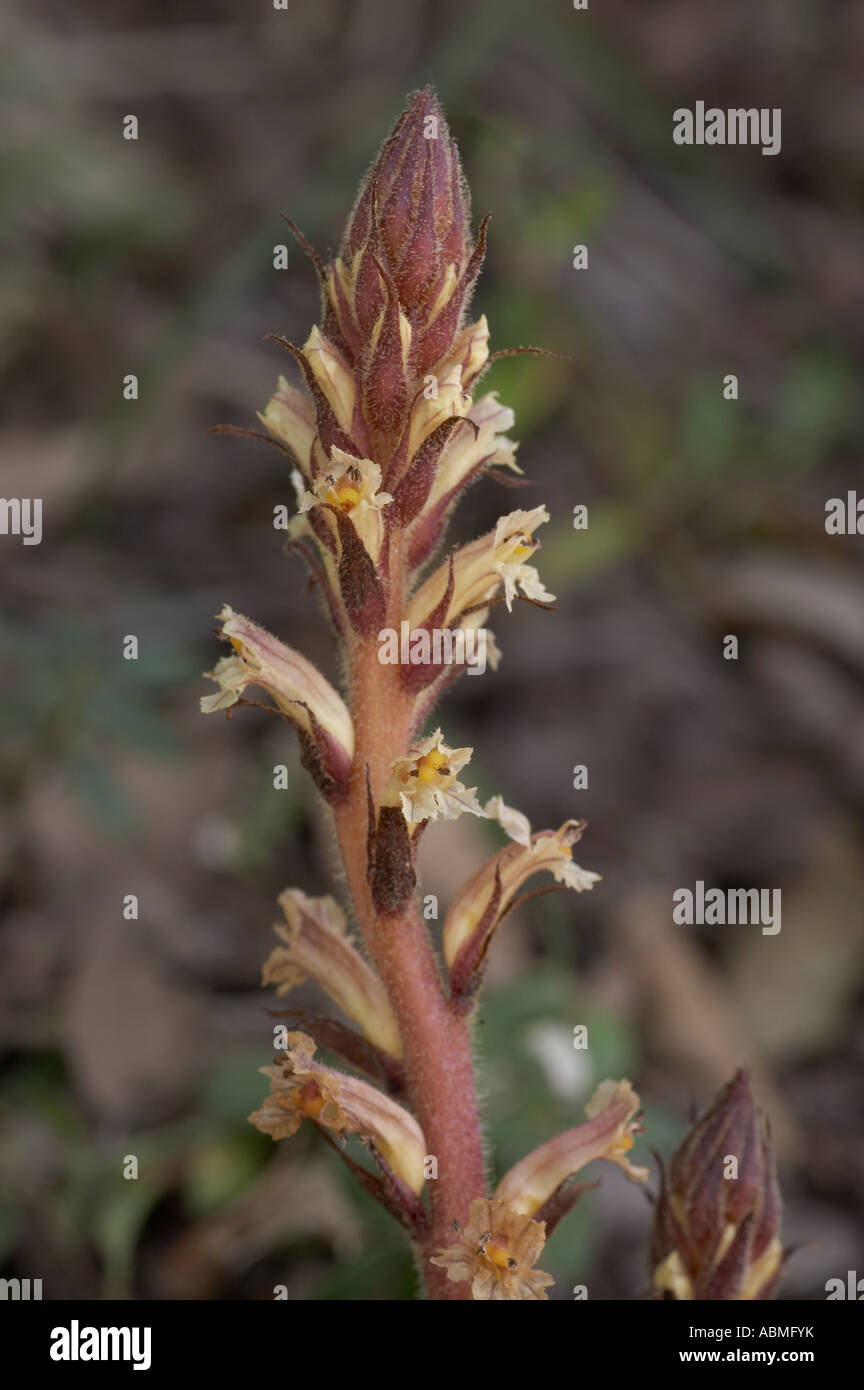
[(716, 1233), (397, 292), (413, 210)]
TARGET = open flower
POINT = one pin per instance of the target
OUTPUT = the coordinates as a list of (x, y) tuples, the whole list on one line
[(609, 1134), (482, 569), (318, 945), (300, 692), (481, 904), (302, 1088), (297, 1095), (352, 485), (424, 783), (513, 543), (497, 1251), (297, 688)]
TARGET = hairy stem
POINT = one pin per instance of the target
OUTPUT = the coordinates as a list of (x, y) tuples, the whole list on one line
[(438, 1058)]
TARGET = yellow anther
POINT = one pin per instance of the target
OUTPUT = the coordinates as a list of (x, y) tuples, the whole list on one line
[(345, 497), (498, 1253), (430, 764), (309, 1099), (525, 546)]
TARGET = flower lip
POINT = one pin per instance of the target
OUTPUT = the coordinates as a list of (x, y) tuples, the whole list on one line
[(303, 1088), (425, 782), (352, 486), (609, 1133), (479, 907), (497, 1251)]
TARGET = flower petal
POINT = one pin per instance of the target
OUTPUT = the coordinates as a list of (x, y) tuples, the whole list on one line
[(319, 946), (608, 1134)]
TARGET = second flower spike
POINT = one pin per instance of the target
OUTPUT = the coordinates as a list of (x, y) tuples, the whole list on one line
[(717, 1228)]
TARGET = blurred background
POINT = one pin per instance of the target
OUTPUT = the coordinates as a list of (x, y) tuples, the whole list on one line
[(706, 517)]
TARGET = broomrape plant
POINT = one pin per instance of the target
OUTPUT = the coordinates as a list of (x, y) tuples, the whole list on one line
[(387, 435)]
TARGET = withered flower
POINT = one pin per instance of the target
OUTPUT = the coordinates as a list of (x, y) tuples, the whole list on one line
[(302, 1088), (479, 907), (497, 1252), (609, 1134), (318, 946), (716, 1233)]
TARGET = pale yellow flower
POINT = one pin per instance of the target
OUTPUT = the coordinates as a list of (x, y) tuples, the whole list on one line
[(449, 398), (333, 375), (482, 569), (352, 485), (475, 908), (424, 782), (609, 1134), (318, 945), (465, 451), (298, 689), (290, 418)]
